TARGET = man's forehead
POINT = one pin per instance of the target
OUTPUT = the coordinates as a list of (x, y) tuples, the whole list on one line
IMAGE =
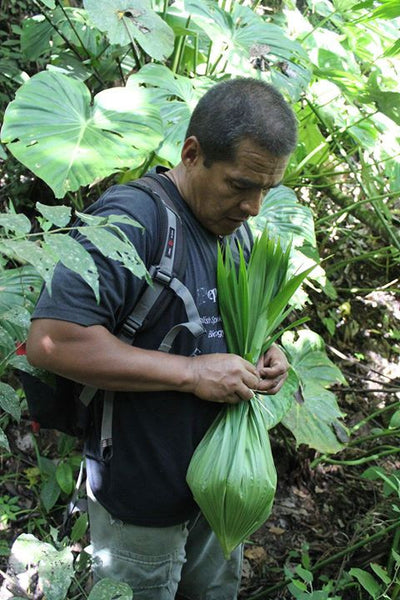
[(246, 182)]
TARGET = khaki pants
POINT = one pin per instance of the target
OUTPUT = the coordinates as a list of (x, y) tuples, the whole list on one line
[(160, 562)]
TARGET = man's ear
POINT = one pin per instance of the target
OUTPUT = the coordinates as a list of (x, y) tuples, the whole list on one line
[(191, 152)]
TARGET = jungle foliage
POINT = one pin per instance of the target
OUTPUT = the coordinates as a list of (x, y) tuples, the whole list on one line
[(99, 91)]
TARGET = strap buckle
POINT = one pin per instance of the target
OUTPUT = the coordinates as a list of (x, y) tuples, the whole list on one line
[(130, 326), (157, 274)]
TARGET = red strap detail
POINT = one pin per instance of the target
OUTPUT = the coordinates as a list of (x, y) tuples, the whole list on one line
[(35, 426), (20, 348)]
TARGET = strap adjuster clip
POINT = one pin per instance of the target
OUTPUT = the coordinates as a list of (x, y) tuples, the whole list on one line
[(130, 327), (157, 274)]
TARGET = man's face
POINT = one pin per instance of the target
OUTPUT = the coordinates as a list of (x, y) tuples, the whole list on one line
[(226, 194)]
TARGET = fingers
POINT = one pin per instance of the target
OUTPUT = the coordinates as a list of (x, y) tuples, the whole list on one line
[(271, 385), (244, 394), (223, 378), (273, 369)]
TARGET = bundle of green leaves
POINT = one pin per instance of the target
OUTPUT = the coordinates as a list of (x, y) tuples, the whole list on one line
[(232, 474)]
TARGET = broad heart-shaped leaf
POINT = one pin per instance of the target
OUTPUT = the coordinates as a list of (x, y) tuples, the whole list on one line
[(312, 422), (285, 217), (35, 37), (266, 41), (276, 406), (55, 567), (68, 24), (244, 39), (176, 96), (128, 20), (75, 25), (313, 419), (70, 141), (307, 354)]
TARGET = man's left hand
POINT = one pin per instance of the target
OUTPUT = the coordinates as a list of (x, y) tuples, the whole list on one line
[(273, 370)]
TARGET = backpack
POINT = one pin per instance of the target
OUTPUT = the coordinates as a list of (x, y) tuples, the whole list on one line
[(63, 404)]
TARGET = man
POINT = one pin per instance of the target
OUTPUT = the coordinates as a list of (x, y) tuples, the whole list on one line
[(145, 527)]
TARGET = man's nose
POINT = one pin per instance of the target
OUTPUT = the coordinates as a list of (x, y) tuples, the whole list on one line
[(251, 203)]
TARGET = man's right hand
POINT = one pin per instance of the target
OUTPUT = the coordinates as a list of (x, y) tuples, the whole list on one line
[(93, 356), (223, 378)]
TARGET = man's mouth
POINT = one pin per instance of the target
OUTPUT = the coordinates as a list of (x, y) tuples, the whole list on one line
[(238, 220)]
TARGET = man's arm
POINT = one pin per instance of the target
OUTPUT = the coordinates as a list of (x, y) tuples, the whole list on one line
[(93, 356)]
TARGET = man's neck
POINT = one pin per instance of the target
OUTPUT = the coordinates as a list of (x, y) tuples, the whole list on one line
[(177, 176)]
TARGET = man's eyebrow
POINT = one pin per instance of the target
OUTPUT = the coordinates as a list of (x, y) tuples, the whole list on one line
[(248, 183)]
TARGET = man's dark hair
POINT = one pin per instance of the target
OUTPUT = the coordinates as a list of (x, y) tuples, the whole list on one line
[(238, 109)]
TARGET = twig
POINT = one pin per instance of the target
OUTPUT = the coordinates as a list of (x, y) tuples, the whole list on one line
[(14, 587)]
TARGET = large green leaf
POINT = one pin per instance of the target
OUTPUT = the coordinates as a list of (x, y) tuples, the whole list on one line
[(276, 406), (313, 418), (67, 25), (333, 61), (55, 567), (35, 37), (75, 26), (71, 141), (243, 39), (308, 357), (176, 96), (284, 60), (73, 255), (285, 217), (66, 62), (128, 20)]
